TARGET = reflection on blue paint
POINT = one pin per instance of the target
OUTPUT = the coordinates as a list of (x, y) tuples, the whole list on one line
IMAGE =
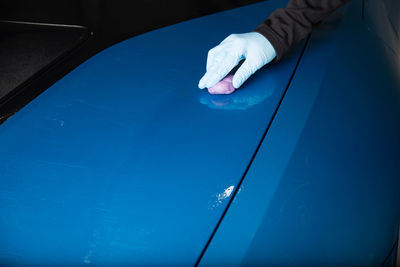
[(241, 99)]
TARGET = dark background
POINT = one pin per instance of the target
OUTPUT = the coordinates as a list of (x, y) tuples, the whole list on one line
[(42, 40)]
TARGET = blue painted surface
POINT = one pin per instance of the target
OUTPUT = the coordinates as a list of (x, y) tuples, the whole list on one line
[(324, 186), (124, 160)]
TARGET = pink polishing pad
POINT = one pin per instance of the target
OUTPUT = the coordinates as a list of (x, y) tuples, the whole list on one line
[(223, 87)]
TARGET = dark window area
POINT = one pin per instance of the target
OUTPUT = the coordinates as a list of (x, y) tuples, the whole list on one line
[(26, 49)]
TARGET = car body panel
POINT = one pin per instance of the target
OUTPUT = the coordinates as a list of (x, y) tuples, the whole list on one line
[(323, 188), (125, 160)]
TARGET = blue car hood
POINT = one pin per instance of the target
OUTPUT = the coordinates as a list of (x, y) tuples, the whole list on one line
[(125, 160)]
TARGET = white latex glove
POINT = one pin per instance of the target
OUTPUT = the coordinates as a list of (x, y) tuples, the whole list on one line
[(252, 46)]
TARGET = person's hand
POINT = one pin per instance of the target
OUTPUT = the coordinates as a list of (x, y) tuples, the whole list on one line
[(252, 46)]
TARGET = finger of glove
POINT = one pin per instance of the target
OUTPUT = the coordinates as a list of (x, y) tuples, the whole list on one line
[(229, 39), (218, 65), (244, 72), (219, 71), (215, 54), (214, 57)]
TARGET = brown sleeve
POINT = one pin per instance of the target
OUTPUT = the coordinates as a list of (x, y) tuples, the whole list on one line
[(286, 26)]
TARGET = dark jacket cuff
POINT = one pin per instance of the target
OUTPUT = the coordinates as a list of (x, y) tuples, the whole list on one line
[(268, 33)]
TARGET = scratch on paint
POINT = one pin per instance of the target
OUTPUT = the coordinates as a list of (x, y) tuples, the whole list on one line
[(63, 164), (8, 252), (226, 193), (61, 122), (221, 196)]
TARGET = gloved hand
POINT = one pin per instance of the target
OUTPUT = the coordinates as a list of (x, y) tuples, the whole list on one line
[(252, 46)]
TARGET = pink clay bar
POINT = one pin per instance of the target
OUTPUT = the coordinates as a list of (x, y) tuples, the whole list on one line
[(224, 86)]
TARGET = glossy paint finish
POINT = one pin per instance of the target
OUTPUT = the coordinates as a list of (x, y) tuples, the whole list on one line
[(125, 160), (324, 186)]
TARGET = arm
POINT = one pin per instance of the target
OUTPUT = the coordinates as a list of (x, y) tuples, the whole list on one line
[(286, 26)]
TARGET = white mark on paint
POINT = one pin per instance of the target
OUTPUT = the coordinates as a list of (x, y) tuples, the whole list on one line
[(226, 193), (220, 197), (61, 122), (86, 259)]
